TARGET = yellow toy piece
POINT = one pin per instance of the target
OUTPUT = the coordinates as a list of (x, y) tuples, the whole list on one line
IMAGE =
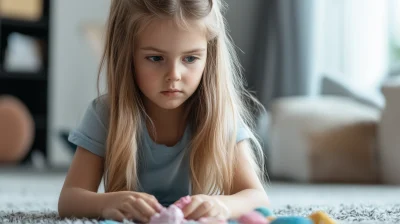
[(321, 218), (271, 218)]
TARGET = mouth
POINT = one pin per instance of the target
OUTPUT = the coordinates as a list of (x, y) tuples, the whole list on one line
[(171, 92)]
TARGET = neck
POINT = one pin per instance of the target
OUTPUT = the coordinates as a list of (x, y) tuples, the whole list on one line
[(169, 124)]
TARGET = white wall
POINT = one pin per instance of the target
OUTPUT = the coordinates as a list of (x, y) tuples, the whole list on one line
[(74, 63), (73, 69)]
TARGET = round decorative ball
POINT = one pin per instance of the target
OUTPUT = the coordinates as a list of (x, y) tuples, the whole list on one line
[(16, 129)]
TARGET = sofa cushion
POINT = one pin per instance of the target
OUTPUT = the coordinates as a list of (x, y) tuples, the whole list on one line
[(327, 138)]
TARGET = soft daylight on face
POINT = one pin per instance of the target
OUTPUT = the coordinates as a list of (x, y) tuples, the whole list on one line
[(169, 62)]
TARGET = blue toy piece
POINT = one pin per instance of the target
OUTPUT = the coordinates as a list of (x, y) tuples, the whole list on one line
[(231, 221), (109, 222), (266, 212), (292, 220)]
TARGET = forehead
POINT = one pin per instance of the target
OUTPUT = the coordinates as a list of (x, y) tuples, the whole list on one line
[(169, 36)]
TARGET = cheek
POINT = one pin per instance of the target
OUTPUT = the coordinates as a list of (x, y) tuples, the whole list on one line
[(194, 80), (145, 78), (196, 75)]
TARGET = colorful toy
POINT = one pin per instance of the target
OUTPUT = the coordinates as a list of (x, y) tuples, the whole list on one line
[(233, 222), (318, 217), (212, 221), (253, 217), (292, 220), (183, 202), (321, 218), (109, 222), (264, 211), (174, 215), (269, 218)]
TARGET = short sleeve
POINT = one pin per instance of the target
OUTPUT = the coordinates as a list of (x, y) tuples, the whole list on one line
[(242, 133), (91, 132)]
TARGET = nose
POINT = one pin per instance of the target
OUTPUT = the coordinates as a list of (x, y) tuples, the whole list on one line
[(173, 74)]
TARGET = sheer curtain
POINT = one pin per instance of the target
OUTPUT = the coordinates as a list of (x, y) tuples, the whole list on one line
[(394, 38), (355, 42), (300, 41)]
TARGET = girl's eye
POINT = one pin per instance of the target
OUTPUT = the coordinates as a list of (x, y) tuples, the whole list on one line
[(154, 58), (190, 59)]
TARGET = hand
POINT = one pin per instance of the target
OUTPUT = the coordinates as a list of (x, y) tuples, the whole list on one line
[(130, 205), (206, 206)]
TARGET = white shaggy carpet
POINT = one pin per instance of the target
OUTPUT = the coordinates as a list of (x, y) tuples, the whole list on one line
[(31, 197)]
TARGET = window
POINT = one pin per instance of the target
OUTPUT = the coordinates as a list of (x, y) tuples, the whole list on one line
[(394, 36), (355, 41)]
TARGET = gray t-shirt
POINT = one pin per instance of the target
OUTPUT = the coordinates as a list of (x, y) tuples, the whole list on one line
[(162, 171)]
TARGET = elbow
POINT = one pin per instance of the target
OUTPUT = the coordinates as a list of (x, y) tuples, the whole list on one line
[(265, 201), (62, 210), (61, 213)]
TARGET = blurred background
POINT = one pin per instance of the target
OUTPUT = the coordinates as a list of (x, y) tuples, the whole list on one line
[(326, 71), (295, 53)]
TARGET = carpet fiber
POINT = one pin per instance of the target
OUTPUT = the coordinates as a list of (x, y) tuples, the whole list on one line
[(32, 198), (343, 214)]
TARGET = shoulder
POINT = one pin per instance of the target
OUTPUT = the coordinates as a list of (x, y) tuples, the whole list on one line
[(243, 132), (91, 133), (99, 110), (100, 104)]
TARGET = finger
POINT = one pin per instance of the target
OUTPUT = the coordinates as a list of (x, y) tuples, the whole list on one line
[(183, 202), (130, 207), (203, 210), (128, 210), (145, 208), (138, 216), (189, 209), (224, 212), (114, 214), (152, 201), (214, 213)]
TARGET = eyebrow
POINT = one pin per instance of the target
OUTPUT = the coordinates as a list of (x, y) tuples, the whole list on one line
[(162, 51)]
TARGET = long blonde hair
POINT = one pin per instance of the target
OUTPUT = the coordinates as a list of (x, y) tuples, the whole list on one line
[(222, 102)]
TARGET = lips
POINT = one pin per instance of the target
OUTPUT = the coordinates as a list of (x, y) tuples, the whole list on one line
[(171, 92)]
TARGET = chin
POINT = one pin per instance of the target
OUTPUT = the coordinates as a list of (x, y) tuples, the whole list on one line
[(170, 105)]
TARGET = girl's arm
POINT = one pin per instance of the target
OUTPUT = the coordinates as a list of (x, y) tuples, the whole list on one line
[(248, 192), (79, 197)]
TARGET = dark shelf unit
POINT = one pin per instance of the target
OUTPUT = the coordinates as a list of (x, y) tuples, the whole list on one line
[(39, 76), (25, 24), (30, 87)]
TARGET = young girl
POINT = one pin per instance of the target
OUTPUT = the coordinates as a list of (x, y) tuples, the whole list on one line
[(174, 122)]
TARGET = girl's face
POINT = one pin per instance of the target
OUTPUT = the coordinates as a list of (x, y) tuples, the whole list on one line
[(169, 62)]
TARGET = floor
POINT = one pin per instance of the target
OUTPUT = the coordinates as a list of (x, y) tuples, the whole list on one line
[(31, 191)]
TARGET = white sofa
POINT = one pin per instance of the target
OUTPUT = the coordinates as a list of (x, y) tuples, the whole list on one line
[(323, 139), (336, 139), (389, 133)]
